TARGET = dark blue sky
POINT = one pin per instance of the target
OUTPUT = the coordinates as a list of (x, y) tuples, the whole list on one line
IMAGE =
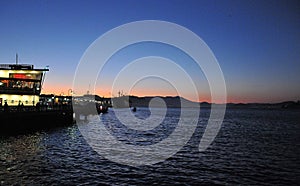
[(257, 43)]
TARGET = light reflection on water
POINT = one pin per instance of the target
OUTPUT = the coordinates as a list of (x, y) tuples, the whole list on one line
[(259, 147)]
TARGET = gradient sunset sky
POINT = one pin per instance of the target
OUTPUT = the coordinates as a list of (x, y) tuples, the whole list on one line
[(257, 43)]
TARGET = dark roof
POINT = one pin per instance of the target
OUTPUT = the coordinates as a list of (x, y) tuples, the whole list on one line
[(19, 67)]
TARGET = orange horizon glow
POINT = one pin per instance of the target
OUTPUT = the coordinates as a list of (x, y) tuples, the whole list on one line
[(64, 90)]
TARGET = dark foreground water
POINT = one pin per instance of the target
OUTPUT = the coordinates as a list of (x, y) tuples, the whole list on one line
[(253, 147)]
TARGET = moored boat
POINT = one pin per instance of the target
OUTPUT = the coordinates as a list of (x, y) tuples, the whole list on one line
[(20, 111)]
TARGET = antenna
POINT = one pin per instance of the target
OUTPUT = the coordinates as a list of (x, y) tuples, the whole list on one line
[(16, 58)]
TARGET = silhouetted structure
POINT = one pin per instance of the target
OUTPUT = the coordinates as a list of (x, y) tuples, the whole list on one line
[(20, 88)]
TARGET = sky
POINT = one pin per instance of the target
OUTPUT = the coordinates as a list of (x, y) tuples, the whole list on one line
[(256, 43)]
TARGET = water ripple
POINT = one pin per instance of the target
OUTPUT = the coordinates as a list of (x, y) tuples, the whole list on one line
[(253, 147)]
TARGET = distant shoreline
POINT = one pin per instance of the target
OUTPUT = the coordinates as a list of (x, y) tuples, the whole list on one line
[(175, 102)]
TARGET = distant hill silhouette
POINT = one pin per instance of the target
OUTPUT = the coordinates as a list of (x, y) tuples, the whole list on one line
[(175, 102)]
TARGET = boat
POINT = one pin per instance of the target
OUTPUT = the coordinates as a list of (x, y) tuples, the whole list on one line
[(20, 106), (133, 109), (89, 104)]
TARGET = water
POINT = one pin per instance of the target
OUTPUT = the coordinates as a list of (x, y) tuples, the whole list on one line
[(253, 147)]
